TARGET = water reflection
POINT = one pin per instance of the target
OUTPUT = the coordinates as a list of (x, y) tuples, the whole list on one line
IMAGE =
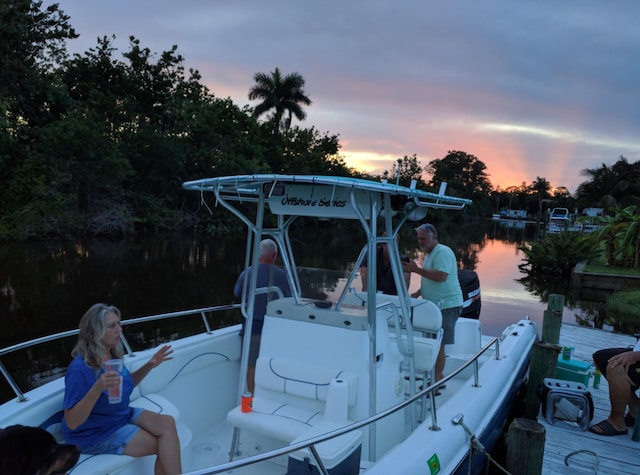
[(47, 287)]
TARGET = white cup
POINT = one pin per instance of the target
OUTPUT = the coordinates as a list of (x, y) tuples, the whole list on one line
[(115, 394)]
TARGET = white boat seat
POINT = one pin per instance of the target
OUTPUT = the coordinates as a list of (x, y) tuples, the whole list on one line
[(427, 335), (425, 351), (109, 463), (426, 317), (291, 398), (332, 451)]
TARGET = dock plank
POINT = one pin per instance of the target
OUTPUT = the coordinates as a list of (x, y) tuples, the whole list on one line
[(615, 455)]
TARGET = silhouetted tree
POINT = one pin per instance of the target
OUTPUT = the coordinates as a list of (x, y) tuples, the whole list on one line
[(614, 186), (282, 94)]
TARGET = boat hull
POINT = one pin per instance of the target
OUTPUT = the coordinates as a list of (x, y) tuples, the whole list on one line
[(485, 410)]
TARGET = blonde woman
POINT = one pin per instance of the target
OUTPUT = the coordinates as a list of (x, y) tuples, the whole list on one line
[(100, 427)]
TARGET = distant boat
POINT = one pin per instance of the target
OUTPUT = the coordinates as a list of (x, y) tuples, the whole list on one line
[(515, 214), (559, 214), (561, 220)]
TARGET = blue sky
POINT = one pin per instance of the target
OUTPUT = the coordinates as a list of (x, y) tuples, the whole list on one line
[(531, 88)]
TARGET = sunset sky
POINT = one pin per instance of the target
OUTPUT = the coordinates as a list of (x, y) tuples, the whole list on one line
[(542, 88)]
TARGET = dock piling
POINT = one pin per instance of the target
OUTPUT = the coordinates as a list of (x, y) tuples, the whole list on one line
[(525, 447), (544, 354)]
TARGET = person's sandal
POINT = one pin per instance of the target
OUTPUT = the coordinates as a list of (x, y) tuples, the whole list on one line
[(605, 428)]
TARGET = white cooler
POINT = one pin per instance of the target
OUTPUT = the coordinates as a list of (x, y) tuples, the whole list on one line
[(340, 455)]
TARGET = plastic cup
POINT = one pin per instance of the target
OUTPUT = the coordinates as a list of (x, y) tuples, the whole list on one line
[(115, 394), (566, 352), (246, 402)]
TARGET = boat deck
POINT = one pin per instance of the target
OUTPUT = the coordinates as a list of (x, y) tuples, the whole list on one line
[(615, 455)]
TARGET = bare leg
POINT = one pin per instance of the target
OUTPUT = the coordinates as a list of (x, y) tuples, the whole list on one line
[(158, 435), (619, 396), (251, 377)]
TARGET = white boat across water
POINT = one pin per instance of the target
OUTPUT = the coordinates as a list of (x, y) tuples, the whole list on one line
[(342, 386)]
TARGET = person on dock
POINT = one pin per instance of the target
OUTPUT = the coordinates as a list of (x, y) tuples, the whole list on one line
[(621, 368), (91, 420), (269, 275), (439, 284), (385, 282)]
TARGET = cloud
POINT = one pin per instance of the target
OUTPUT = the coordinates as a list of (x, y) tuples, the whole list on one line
[(530, 88)]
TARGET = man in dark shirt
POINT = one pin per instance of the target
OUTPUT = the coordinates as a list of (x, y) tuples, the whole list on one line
[(269, 275), (384, 275)]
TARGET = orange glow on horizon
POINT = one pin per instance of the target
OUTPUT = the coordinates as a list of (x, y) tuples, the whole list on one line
[(501, 173)]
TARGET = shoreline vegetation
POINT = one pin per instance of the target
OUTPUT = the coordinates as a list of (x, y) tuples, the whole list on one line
[(98, 144), (621, 286)]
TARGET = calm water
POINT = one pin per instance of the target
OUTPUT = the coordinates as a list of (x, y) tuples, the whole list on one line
[(47, 288)]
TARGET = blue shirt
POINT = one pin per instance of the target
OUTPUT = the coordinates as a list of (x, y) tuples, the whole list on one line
[(268, 276), (105, 418)]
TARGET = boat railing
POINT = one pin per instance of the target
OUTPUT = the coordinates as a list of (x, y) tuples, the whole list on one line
[(313, 441), (308, 443), (203, 312)]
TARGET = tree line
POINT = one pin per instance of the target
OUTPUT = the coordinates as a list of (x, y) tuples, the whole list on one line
[(99, 143)]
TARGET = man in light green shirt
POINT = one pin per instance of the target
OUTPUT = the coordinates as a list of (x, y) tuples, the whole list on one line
[(439, 284)]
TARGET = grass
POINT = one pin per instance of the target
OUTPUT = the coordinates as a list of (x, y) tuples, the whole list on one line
[(624, 307), (599, 265)]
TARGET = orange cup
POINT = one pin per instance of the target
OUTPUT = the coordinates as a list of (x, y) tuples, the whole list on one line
[(246, 402)]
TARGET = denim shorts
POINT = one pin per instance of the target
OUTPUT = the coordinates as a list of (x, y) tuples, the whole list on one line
[(116, 442), (449, 319)]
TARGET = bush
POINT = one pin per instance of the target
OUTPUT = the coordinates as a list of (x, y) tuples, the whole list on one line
[(623, 309)]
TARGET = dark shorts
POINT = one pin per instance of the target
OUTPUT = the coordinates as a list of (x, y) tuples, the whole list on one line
[(602, 357), (449, 319)]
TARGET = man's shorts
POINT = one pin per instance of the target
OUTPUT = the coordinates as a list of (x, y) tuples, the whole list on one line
[(449, 319)]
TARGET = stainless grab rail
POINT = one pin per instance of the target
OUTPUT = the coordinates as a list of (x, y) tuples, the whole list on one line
[(133, 321), (309, 443), (312, 442)]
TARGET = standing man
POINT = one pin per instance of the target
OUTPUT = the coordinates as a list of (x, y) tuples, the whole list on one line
[(269, 275), (439, 284), (384, 274)]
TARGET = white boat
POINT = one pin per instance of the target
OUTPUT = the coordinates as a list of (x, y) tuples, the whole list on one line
[(342, 386), (560, 220)]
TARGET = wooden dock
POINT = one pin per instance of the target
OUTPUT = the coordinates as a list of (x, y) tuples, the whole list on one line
[(615, 455)]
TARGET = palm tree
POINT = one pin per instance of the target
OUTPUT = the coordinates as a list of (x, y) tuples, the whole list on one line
[(621, 235), (613, 186), (541, 186), (283, 94)]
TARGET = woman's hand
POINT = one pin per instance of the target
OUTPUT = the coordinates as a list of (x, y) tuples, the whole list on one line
[(162, 355), (108, 380)]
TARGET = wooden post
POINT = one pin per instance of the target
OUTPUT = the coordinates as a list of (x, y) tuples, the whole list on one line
[(553, 319), (544, 354), (525, 447), (543, 364)]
